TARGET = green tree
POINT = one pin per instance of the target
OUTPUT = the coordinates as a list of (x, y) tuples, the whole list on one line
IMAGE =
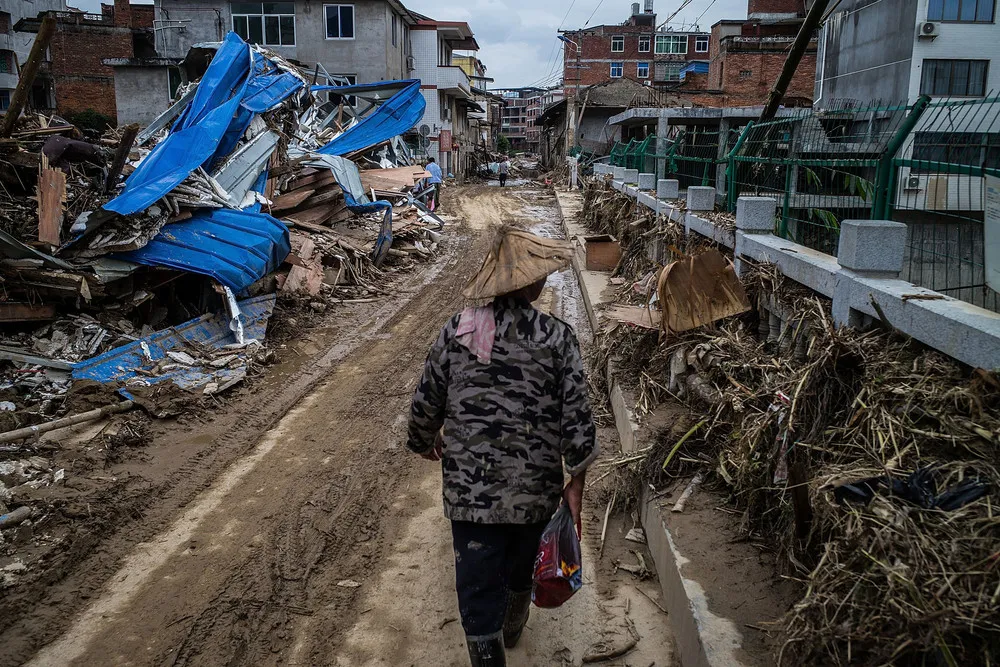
[(503, 144)]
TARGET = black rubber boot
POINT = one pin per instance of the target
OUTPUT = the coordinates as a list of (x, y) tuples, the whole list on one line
[(518, 608), (487, 653)]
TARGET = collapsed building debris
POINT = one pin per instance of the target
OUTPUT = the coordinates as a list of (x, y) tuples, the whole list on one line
[(145, 257)]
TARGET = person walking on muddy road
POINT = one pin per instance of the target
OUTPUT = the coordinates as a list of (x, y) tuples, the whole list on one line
[(503, 171), (503, 404), (436, 179)]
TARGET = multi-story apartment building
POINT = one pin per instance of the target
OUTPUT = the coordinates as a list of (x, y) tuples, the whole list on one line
[(896, 50), (634, 50), (516, 122), (15, 46), (363, 41), (448, 135), (535, 108)]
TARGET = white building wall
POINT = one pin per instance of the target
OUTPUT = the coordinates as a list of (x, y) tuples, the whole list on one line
[(20, 42), (959, 41)]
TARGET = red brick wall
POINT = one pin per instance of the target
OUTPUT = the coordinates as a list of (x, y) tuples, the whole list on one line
[(747, 77), (596, 45), (81, 81), (776, 7)]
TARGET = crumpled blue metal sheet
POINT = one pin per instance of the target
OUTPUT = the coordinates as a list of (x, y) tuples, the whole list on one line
[(236, 248), (237, 85), (399, 114), (122, 364)]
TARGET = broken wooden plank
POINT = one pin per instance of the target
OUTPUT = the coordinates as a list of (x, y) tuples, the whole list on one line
[(291, 200), (121, 155), (27, 76), (314, 181), (51, 200), (316, 215), (26, 312)]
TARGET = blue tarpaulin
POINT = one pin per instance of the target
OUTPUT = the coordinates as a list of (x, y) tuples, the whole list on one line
[(236, 248), (399, 114), (122, 364)]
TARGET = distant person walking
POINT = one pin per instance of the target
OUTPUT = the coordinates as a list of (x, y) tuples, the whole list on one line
[(504, 171), (436, 180)]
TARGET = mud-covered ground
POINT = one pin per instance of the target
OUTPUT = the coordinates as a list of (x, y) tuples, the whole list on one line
[(288, 524)]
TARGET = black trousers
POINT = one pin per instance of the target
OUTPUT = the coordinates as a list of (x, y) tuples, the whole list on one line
[(490, 561), (503, 180)]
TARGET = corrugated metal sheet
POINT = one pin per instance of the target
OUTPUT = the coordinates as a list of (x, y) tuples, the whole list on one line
[(236, 248), (399, 114), (132, 364)]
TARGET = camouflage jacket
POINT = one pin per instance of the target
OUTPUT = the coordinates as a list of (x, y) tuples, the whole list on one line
[(510, 425)]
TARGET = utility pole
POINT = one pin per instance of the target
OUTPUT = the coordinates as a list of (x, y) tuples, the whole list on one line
[(27, 76), (571, 117), (799, 46)]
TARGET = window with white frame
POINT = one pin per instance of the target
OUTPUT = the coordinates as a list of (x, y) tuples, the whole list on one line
[(267, 23), (961, 11), (642, 70), (671, 44), (617, 70), (617, 43), (644, 43), (339, 21), (701, 44), (395, 28)]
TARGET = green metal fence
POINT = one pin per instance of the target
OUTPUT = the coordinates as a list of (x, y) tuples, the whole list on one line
[(922, 164), (937, 187)]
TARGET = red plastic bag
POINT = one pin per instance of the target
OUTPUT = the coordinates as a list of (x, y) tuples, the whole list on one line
[(559, 565)]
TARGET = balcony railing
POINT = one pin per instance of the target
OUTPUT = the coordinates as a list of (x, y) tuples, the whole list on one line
[(454, 79)]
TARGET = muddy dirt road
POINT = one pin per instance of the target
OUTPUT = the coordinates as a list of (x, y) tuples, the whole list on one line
[(322, 542)]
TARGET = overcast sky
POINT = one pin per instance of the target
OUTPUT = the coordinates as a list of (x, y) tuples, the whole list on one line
[(518, 37)]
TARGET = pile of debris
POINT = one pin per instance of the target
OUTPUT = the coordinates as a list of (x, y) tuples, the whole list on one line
[(144, 257), (865, 459)]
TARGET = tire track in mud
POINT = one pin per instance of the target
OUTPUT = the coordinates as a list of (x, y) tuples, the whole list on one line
[(312, 513)]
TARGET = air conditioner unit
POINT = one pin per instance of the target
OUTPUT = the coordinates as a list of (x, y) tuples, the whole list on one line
[(647, 83), (913, 183), (411, 63), (928, 30)]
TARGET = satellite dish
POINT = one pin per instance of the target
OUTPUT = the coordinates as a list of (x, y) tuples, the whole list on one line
[(425, 130), (425, 142)]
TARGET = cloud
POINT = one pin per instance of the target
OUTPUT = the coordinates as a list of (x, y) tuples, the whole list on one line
[(517, 38)]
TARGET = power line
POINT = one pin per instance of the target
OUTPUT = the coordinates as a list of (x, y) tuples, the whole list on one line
[(594, 13)]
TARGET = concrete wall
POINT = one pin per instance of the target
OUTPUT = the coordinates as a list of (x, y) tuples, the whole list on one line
[(19, 43), (865, 52), (141, 93), (595, 130), (370, 56), (975, 41)]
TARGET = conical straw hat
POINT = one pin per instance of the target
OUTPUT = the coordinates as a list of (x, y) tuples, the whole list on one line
[(517, 259)]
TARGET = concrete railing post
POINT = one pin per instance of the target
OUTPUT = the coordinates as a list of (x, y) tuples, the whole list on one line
[(668, 188), (647, 182), (869, 249), (631, 177), (701, 198), (618, 173), (754, 215)]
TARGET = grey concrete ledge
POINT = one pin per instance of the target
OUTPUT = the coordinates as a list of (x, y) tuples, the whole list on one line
[(647, 200), (707, 228), (963, 331)]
